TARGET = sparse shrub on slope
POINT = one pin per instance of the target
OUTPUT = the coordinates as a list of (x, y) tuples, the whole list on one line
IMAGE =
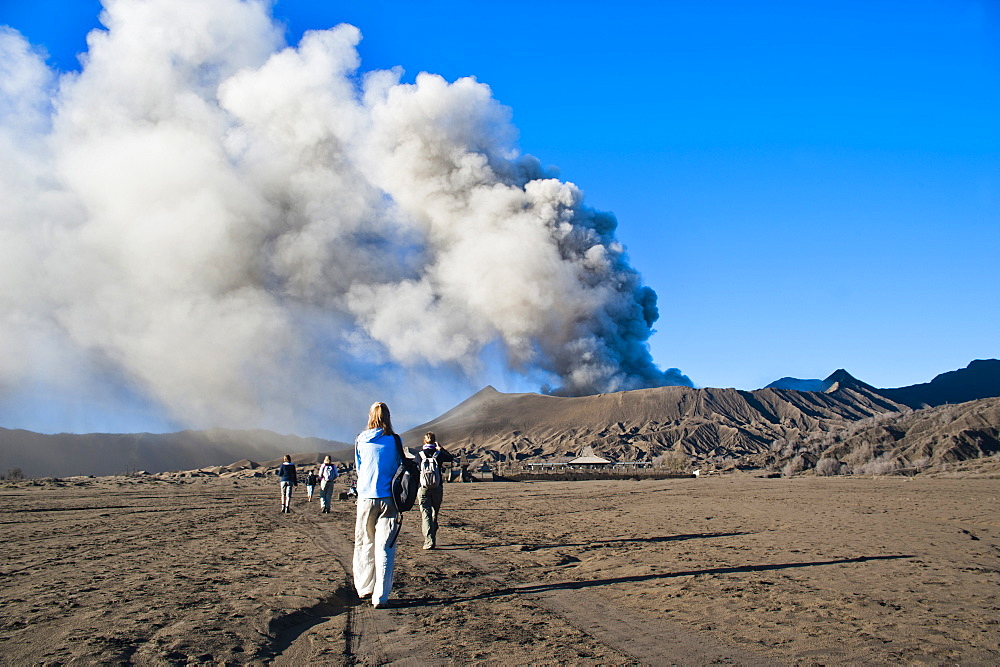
[(828, 467), (885, 464), (797, 464), (858, 456), (673, 461)]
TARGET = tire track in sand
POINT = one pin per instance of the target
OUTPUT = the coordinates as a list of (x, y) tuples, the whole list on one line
[(341, 629)]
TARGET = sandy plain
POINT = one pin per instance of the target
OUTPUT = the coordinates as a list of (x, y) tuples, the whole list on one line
[(727, 570)]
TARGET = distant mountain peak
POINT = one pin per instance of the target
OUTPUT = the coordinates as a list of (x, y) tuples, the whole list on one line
[(844, 380), (840, 375), (839, 379)]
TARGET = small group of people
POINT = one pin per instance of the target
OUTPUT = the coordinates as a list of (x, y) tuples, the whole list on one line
[(378, 452), (288, 479)]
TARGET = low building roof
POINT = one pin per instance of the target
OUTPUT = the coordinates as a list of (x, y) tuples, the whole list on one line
[(594, 460)]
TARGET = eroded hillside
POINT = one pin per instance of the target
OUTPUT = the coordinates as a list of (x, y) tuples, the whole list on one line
[(640, 425)]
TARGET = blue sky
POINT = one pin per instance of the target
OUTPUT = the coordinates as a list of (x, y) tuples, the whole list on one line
[(806, 186)]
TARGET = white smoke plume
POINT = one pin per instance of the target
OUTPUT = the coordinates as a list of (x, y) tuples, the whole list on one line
[(248, 234)]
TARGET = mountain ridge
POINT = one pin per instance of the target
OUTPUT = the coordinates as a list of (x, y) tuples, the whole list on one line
[(980, 379), (707, 424), (641, 424), (710, 425)]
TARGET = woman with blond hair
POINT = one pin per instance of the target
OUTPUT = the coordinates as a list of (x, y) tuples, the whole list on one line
[(377, 452), (327, 473), (287, 479)]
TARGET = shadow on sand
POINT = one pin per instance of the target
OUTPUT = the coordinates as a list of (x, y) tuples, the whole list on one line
[(526, 546), (532, 589)]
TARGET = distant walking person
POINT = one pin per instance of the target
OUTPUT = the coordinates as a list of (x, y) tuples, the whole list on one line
[(431, 492), (311, 481), (288, 479), (327, 473), (377, 455)]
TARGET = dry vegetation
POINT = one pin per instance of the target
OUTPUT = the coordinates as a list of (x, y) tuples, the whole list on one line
[(921, 441)]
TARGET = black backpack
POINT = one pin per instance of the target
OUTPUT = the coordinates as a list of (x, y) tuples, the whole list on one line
[(406, 480)]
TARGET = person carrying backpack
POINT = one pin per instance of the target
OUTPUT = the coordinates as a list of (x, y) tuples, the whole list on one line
[(327, 473), (377, 455), (431, 492)]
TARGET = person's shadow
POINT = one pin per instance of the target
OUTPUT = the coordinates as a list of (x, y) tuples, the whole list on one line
[(527, 546), (534, 589)]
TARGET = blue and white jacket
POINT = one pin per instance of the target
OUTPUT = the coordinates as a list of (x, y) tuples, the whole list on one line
[(377, 459)]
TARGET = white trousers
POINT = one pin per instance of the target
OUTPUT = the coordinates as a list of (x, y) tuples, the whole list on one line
[(375, 533), (286, 493)]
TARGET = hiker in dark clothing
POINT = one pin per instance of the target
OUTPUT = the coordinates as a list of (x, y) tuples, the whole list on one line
[(431, 492), (287, 480), (311, 481)]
